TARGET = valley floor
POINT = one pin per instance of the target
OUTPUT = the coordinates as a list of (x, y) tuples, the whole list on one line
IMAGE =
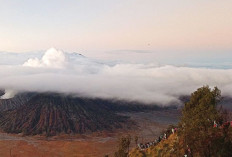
[(150, 124)]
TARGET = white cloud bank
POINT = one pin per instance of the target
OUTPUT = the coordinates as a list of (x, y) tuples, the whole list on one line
[(72, 73)]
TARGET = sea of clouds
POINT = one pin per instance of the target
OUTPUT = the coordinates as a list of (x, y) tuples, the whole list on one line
[(72, 73)]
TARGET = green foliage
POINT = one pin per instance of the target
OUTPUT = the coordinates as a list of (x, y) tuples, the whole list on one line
[(124, 146), (196, 135), (196, 125)]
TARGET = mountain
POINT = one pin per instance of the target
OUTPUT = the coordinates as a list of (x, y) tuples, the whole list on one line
[(15, 102), (52, 113)]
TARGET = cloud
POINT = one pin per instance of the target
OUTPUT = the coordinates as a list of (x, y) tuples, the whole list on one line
[(52, 58), (72, 73), (8, 94)]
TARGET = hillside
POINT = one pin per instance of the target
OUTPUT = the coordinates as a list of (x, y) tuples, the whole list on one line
[(204, 130), (15, 102), (164, 148), (51, 114)]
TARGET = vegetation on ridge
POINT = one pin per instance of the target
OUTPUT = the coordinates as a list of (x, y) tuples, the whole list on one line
[(203, 131)]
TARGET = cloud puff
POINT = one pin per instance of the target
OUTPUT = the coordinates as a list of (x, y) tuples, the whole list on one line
[(72, 73), (52, 58)]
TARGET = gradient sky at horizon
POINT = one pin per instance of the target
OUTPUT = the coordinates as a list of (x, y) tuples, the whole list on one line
[(169, 26)]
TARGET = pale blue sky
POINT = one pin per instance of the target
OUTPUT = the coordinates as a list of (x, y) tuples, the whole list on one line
[(106, 25)]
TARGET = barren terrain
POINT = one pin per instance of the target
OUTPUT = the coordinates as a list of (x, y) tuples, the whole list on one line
[(149, 125)]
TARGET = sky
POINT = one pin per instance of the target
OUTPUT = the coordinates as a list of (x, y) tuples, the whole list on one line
[(152, 51), (96, 28)]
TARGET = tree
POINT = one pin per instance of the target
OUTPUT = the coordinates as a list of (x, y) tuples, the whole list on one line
[(196, 128), (136, 140), (124, 146)]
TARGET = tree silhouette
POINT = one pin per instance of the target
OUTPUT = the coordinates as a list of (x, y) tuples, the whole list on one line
[(136, 140), (124, 146), (199, 125)]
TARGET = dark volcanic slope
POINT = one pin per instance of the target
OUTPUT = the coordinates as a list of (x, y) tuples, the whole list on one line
[(51, 114), (15, 102)]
